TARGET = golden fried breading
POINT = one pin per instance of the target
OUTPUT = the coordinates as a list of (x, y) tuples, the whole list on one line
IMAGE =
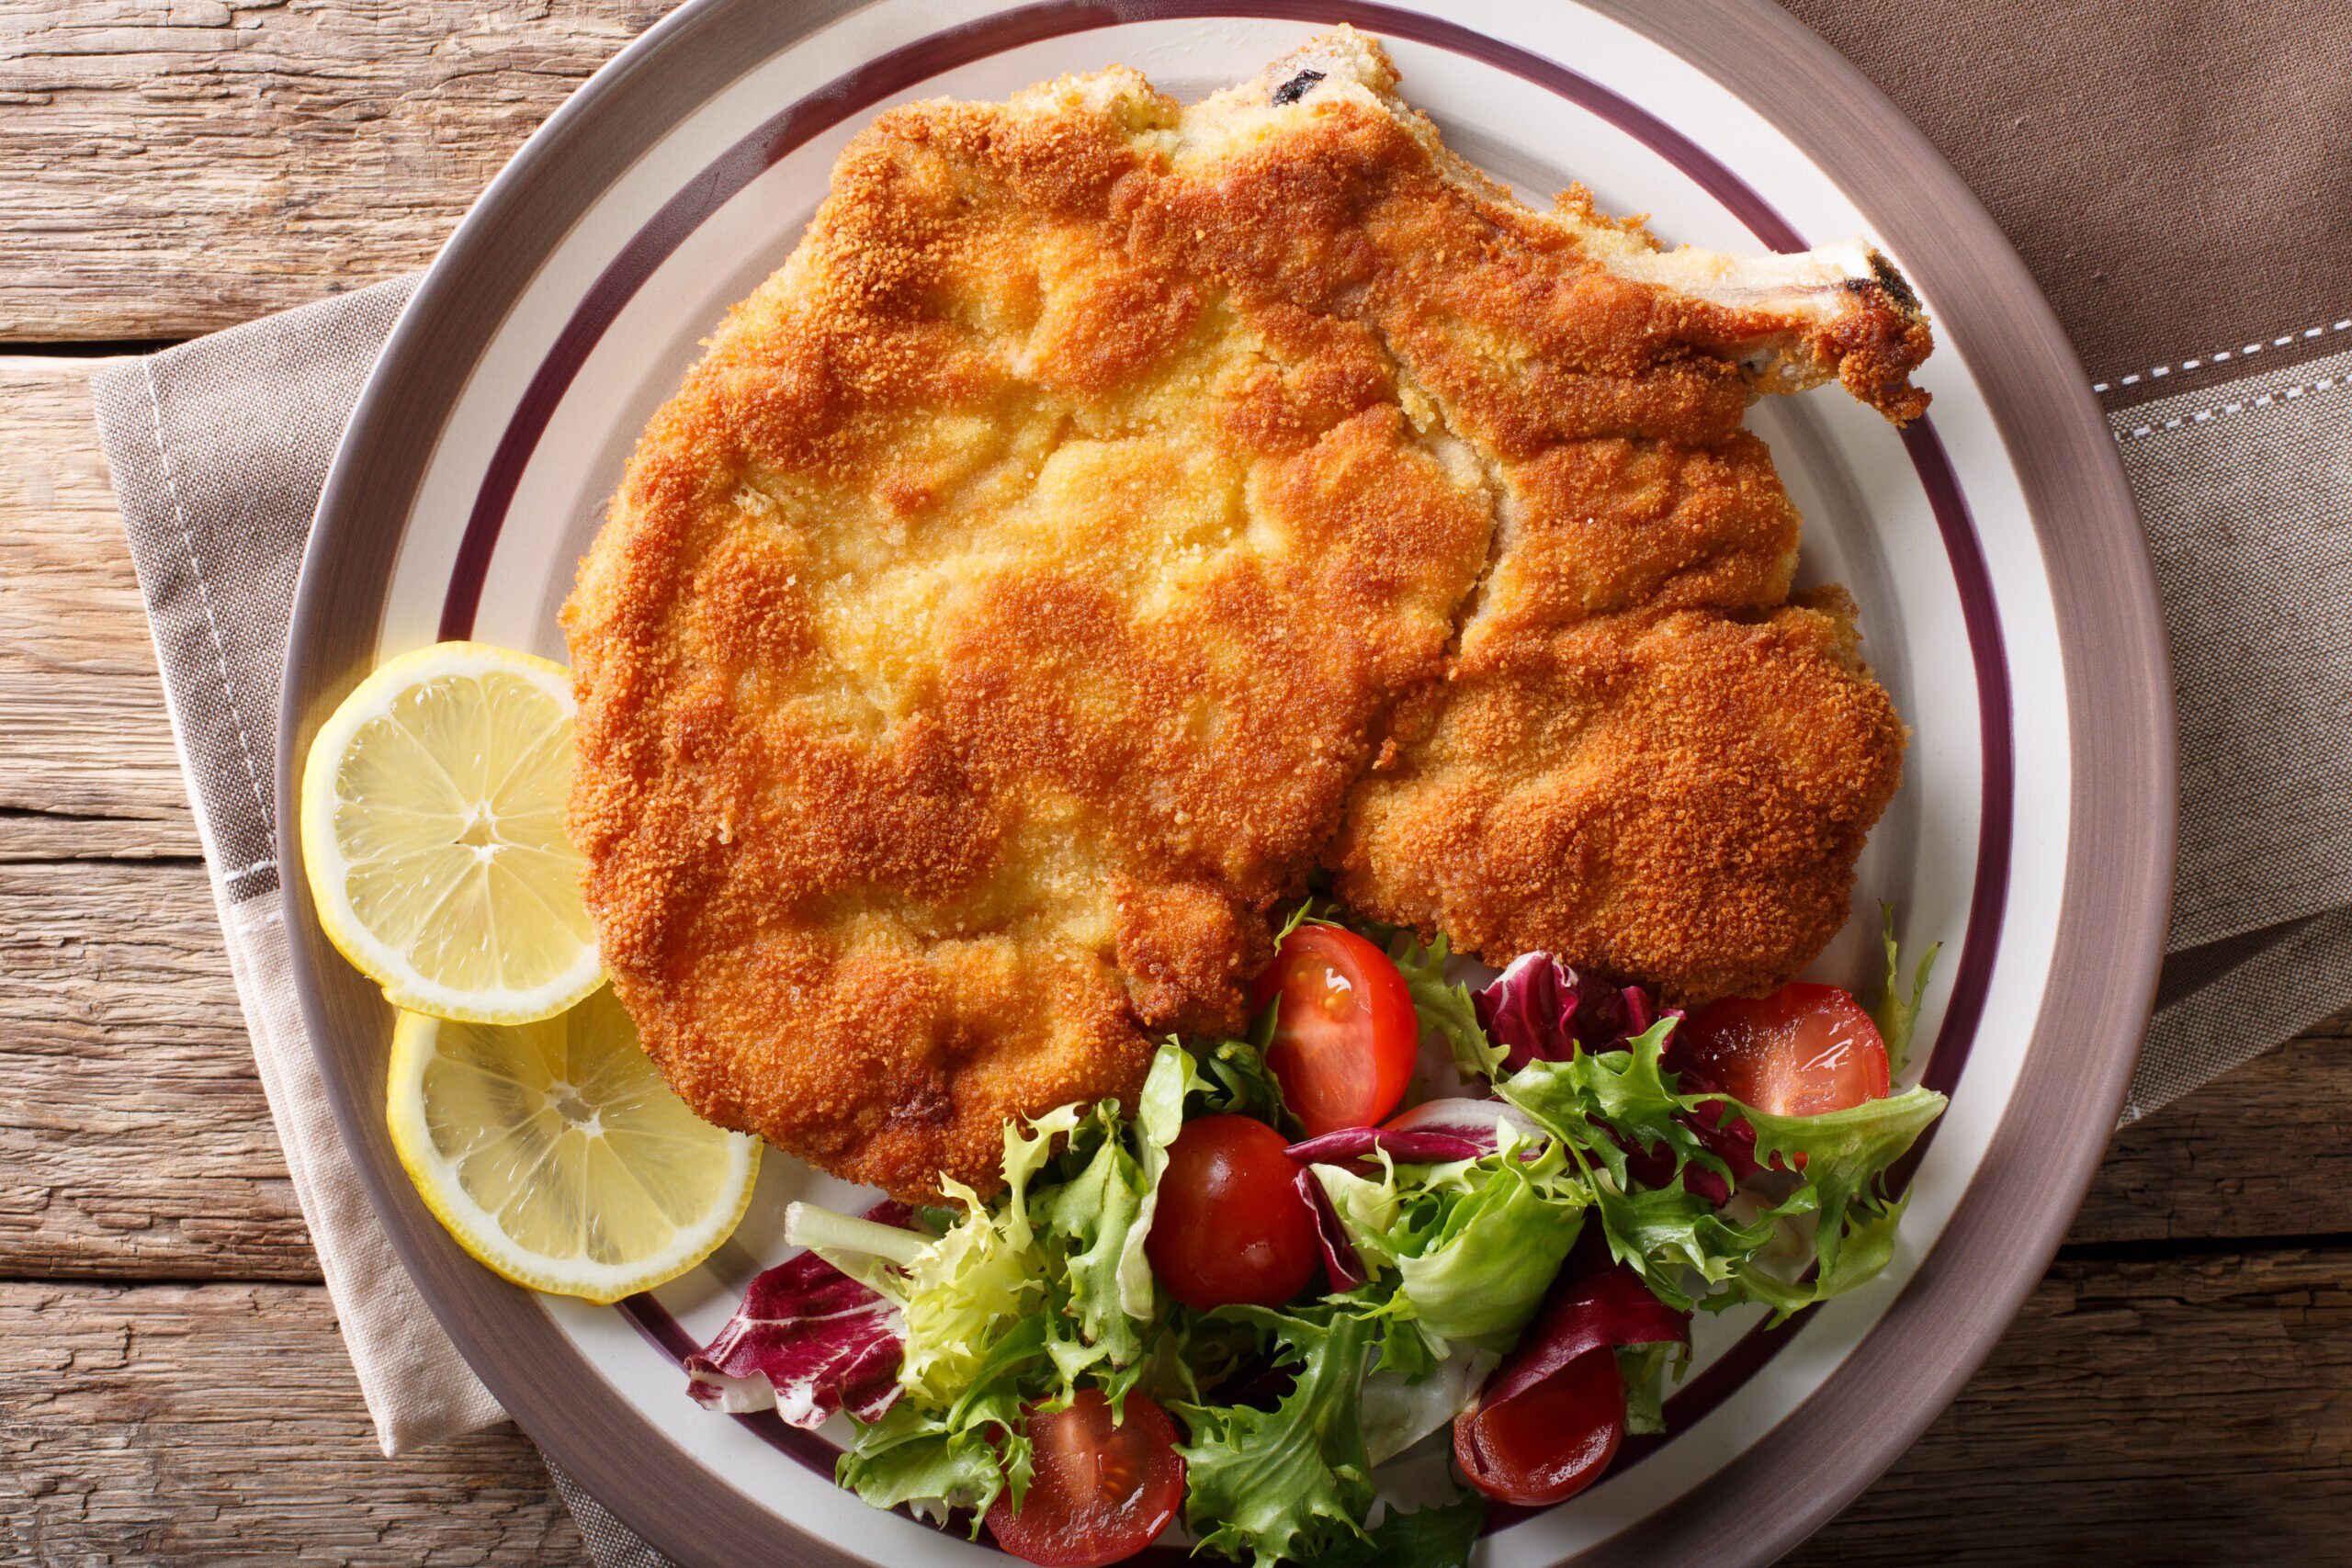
[(1677, 795), (988, 633), (983, 640)]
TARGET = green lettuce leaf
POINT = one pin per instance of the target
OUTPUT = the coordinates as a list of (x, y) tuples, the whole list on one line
[(935, 1464), (961, 1290), (1895, 1013), (1089, 1218), (1475, 1244), (1439, 1536), (1293, 1482), (1474, 1261), (981, 1278), (1400, 1410), (1367, 1210), (1159, 1116), (1644, 1369), (1630, 1090), (1844, 1154), (1443, 1005), (1671, 1236), (1690, 1252), (1233, 1077), (913, 1458)]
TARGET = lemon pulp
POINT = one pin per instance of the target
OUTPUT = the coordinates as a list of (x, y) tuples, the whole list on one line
[(432, 834), (554, 1153)]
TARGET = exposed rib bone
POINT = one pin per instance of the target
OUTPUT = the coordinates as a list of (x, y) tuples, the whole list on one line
[(1840, 313)]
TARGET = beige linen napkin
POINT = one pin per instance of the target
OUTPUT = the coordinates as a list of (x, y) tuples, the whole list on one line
[(218, 448)]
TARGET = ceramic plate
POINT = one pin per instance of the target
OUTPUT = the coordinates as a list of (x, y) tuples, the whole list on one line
[(2006, 598)]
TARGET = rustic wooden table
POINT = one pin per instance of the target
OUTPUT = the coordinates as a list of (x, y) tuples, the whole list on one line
[(171, 1386)]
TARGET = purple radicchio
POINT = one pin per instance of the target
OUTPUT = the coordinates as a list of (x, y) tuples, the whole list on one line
[(1728, 1138), (1595, 1304), (809, 1341), (1339, 1258), (1540, 1009), (1432, 1133)]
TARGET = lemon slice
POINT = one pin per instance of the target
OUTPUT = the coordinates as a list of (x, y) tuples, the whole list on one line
[(432, 833), (556, 1154)]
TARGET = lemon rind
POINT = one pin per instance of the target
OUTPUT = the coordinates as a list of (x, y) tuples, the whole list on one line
[(476, 1230), (402, 986)]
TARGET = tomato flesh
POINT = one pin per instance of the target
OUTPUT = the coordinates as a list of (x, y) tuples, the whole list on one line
[(1345, 1032), (1230, 1228), (1802, 1051), (1550, 1443), (1101, 1492)]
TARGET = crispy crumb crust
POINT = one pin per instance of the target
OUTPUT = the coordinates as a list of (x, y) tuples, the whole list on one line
[(1673, 794), (993, 628)]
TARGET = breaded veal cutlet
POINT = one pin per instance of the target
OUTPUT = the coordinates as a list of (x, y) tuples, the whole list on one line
[(1112, 511)]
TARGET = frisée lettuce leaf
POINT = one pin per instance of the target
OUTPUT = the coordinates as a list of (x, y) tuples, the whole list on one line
[(1292, 1482), (1444, 1006), (936, 1464), (1689, 1248), (1471, 1248), (1842, 1157), (1440, 1535), (958, 1293), (1159, 1116), (1474, 1243), (1896, 1012)]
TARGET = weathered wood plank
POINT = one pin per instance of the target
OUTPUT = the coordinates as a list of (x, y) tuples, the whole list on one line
[(83, 736), (134, 1141), (179, 165), (218, 1422), (221, 1424), (2249, 1155), (2185, 1411)]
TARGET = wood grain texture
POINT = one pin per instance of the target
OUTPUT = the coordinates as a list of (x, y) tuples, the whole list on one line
[(2140, 1412), (2185, 1411), (173, 166), (220, 1423), (134, 1141), (2256, 1153), (83, 730)]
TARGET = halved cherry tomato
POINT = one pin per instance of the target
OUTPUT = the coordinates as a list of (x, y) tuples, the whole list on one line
[(1230, 1228), (1800, 1052), (1553, 1442), (1345, 1036), (1101, 1492)]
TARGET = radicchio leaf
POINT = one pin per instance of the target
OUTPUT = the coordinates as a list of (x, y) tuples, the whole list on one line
[(808, 1341), (1540, 1009), (1594, 1304), (1432, 1133), (1339, 1259), (1731, 1142), (1351, 1144)]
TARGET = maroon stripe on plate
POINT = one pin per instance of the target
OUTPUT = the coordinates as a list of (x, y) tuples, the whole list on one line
[(890, 74)]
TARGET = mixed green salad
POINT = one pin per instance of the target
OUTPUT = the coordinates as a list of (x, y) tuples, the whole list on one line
[(1234, 1299)]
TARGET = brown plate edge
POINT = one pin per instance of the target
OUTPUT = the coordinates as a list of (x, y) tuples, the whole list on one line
[(2118, 858)]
